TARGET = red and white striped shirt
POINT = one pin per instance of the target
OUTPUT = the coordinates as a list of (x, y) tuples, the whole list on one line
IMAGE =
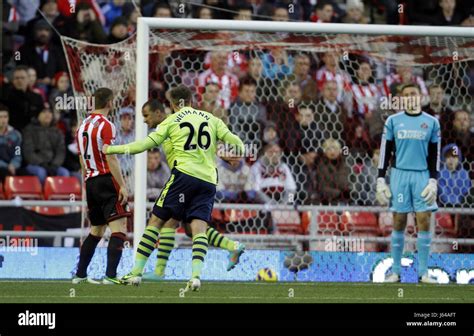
[(395, 78), (228, 84), (342, 79), (95, 132), (364, 98)]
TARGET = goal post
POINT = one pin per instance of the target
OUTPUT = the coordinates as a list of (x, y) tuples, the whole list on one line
[(142, 59)]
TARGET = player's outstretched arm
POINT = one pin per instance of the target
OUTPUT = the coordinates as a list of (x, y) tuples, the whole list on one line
[(224, 134), (130, 148)]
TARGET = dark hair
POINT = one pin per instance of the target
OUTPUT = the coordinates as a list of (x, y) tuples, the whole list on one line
[(323, 4), (161, 5), (247, 81), (4, 108), (197, 11), (409, 85), (21, 68), (180, 93), (242, 7), (102, 96), (154, 105)]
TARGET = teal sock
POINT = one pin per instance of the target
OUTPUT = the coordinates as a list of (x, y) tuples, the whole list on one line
[(423, 246), (398, 241)]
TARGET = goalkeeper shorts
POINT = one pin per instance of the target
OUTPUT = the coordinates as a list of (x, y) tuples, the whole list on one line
[(406, 187), (185, 198), (102, 194)]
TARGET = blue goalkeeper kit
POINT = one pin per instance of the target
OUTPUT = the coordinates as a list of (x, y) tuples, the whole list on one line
[(415, 142)]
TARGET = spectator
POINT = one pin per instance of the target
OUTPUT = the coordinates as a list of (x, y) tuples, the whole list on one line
[(331, 116), (447, 15), (210, 102), (246, 116), (126, 131), (244, 12), (461, 135), (355, 12), (10, 146), (43, 147), (303, 78), (84, 25), (235, 182), (48, 8), (266, 88), (60, 94), (311, 135), (363, 96), (438, 107), (331, 72), (20, 100), (112, 10), (203, 13), (277, 64), (270, 134), (272, 178), (118, 30), (404, 75), (283, 114), (454, 182), (162, 10), (363, 190), (324, 12), (26, 9), (330, 176), (42, 54), (71, 160), (280, 13), (358, 140), (158, 174), (10, 28), (218, 73), (131, 14), (32, 84)]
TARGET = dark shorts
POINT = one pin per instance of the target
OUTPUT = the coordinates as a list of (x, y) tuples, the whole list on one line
[(185, 198), (102, 200)]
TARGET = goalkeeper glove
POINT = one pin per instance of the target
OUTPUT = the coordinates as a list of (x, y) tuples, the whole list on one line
[(430, 192), (383, 193)]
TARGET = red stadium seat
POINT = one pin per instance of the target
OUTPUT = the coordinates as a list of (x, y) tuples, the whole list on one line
[(49, 211), (26, 187), (359, 221), (58, 187), (287, 222), (445, 224), (328, 220)]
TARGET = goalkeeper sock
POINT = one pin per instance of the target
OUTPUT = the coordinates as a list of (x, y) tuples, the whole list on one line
[(199, 253), (423, 246), (218, 240), (398, 241), (87, 252), (145, 248), (114, 253), (165, 246)]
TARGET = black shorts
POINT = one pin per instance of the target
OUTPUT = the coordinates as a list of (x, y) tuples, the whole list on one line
[(102, 200), (185, 198)]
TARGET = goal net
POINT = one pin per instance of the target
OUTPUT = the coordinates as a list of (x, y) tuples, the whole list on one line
[(311, 108)]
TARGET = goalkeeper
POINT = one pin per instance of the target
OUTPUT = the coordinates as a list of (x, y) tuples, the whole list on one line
[(189, 193), (414, 138), (153, 114)]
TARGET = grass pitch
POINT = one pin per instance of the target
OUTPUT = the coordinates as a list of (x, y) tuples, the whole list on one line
[(233, 292)]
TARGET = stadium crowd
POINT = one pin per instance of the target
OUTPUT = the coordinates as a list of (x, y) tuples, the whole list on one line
[(316, 125)]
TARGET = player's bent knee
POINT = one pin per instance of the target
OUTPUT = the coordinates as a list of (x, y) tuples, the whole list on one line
[(171, 224), (156, 222), (423, 221), (98, 230), (198, 226), (118, 225)]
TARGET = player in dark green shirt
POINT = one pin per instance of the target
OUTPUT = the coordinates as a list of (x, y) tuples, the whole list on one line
[(190, 191)]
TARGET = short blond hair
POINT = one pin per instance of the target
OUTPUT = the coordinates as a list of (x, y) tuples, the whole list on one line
[(331, 143)]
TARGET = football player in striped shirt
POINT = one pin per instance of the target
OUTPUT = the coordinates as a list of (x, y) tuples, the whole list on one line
[(106, 192), (190, 191)]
